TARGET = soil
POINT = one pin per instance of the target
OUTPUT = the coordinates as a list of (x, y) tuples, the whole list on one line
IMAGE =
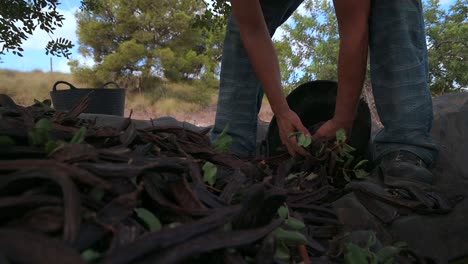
[(203, 118)]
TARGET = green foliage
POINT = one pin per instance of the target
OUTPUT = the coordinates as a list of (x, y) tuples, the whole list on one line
[(91, 255), (224, 141), (312, 34), (447, 35), (151, 221), (361, 255), (40, 136), (79, 136), (209, 173), (302, 140), (18, 20), (286, 238), (146, 40)]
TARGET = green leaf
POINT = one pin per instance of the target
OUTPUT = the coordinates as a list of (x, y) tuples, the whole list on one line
[(311, 176), (52, 146), (209, 173), (283, 212), (387, 254), (282, 252), (90, 255), (39, 135), (341, 135), (356, 255), (295, 223), (291, 176), (290, 237), (372, 240), (295, 134), (361, 174), (6, 141), (304, 141), (151, 221), (224, 141), (79, 136), (44, 124), (362, 162)]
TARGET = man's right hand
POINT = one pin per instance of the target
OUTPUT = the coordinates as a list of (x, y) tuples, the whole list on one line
[(289, 123)]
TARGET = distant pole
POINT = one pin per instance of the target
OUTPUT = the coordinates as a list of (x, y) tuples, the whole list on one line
[(51, 67)]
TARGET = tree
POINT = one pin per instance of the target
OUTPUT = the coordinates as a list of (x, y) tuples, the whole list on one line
[(308, 48), (18, 20), (146, 38), (447, 36)]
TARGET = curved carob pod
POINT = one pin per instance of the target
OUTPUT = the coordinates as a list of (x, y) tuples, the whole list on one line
[(213, 241), (75, 173), (26, 247), (170, 237), (107, 219), (71, 196)]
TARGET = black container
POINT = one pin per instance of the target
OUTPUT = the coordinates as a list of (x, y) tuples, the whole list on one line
[(107, 101), (314, 103)]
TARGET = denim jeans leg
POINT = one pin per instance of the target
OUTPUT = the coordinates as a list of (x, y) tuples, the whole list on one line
[(399, 73), (240, 92)]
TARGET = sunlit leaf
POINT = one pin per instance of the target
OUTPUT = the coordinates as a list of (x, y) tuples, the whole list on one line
[(283, 212), (209, 173), (151, 221)]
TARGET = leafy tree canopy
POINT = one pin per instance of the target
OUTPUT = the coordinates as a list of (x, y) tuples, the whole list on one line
[(148, 39), (308, 48), (18, 20)]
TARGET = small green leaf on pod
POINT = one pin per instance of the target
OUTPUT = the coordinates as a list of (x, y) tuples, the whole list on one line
[(6, 141), (356, 255), (359, 164), (312, 176), (282, 252), (304, 141), (372, 240), (79, 136), (224, 141), (361, 174), (52, 146), (151, 221), (44, 124), (295, 223), (291, 176), (283, 212), (290, 237), (340, 135), (295, 134), (387, 254), (90, 255), (209, 173)]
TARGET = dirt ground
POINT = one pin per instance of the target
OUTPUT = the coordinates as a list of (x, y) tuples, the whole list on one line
[(204, 117)]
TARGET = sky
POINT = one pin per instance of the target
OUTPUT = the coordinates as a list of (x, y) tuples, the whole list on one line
[(34, 57)]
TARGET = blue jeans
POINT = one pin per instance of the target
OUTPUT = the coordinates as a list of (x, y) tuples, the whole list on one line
[(399, 74)]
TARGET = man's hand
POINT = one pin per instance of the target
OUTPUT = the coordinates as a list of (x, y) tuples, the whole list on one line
[(327, 131), (288, 123)]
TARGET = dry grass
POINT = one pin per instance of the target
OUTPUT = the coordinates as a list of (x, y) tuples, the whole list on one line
[(167, 99), (24, 87)]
